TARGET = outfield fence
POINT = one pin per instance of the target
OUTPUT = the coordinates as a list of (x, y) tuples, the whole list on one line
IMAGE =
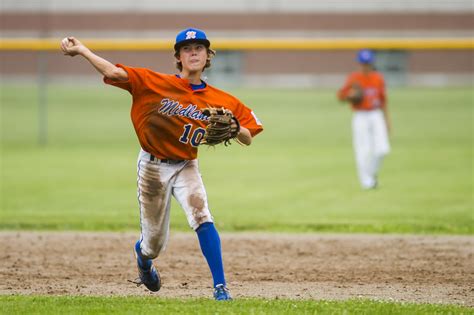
[(253, 44)]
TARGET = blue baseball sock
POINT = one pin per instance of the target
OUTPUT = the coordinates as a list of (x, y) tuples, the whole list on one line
[(211, 249), (142, 261)]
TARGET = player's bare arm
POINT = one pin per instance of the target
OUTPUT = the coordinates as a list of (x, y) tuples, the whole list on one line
[(73, 47)]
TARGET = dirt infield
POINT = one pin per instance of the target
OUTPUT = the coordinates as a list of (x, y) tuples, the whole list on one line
[(434, 269)]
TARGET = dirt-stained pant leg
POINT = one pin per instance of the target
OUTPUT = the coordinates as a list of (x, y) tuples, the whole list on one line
[(189, 190), (154, 197)]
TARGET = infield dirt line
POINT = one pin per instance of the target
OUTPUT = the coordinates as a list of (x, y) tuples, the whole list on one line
[(432, 269)]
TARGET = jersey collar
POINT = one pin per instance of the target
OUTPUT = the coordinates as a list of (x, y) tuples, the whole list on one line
[(193, 87)]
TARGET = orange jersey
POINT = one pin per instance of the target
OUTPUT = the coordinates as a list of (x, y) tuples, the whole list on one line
[(167, 114), (374, 90)]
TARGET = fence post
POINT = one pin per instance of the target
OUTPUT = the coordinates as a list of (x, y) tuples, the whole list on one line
[(42, 85)]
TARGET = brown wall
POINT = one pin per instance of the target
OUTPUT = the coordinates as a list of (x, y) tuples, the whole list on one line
[(267, 62), (236, 22), (461, 61), (25, 63)]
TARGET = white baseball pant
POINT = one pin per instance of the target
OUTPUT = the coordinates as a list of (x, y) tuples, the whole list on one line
[(157, 181), (370, 142)]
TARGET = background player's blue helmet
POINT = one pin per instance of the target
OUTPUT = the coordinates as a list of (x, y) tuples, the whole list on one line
[(191, 35), (366, 56)]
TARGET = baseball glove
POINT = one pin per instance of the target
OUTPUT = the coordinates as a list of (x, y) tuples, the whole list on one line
[(356, 94), (222, 127)]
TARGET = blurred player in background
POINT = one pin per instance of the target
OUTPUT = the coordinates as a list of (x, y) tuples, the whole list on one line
[(365, 91), (167, 114)]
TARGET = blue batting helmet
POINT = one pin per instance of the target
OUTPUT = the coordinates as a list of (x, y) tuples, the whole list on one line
[(191, 35), (366, 56)]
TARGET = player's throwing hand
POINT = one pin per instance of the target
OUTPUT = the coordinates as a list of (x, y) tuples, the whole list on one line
[(72, 47)]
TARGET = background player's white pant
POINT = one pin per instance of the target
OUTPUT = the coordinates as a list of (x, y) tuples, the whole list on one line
[(370, 141), (157, 181)]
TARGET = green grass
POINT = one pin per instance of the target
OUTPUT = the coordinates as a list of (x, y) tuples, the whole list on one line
[(148, 305), (298, 175)]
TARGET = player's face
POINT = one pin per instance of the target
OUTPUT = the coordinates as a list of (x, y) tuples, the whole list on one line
[(366, 67), (193, 57)]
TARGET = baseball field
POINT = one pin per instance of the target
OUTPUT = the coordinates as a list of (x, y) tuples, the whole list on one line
[(299, 236)]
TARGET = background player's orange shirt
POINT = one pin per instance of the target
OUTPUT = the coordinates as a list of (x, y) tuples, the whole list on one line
[(373, 85), (167, 114)]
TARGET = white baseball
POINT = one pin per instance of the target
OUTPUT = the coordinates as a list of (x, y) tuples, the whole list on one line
[(66, 42)]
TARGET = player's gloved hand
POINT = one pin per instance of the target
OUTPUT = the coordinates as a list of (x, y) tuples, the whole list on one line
[(355, 94), (222, 127)]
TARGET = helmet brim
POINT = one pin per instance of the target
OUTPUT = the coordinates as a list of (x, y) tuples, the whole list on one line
[(205, 42)]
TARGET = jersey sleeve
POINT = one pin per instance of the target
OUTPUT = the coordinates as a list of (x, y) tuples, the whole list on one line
[(136, 78), (344, 90), (248, 119)]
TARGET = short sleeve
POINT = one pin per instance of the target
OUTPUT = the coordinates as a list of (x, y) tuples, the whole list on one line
[(248, 119), (342, 92), (136, 77)]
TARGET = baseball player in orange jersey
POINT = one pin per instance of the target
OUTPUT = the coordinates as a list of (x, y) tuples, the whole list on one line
[(370, 123), (167, 114)]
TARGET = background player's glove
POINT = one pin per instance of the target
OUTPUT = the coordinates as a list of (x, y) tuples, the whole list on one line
[(222, 127), (355, 94)]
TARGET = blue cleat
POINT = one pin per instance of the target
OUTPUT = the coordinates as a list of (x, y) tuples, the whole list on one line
[(147, 274), (221, 293)]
